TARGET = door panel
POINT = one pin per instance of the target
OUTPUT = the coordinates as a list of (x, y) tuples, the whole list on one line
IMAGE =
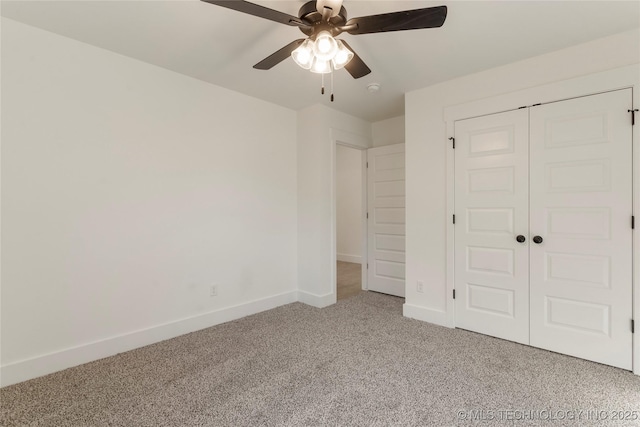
[(491, 204), (386, 209), (581, 205)]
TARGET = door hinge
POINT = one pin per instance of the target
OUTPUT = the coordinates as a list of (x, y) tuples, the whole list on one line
[(535, 105), (633, 222), (454, 219), (367, 266), (454, 294), (367, 165), (633, 116), (453, 142), (367, 215), (633, 327)]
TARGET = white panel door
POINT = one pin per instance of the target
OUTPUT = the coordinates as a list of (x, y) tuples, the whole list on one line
[(386, 223), (491, 207), (581, 206)]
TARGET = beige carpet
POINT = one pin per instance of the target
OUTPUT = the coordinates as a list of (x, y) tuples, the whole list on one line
[(356, 363)]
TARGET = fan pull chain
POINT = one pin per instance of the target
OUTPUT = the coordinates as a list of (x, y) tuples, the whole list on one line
[(331, 84), (322, 90)]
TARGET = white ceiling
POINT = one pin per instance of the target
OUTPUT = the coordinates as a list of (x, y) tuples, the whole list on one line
[(220, 46)]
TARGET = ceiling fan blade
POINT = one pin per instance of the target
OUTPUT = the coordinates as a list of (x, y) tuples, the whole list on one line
[(278, 56), (356, 67), (429, 17), (260, 12)]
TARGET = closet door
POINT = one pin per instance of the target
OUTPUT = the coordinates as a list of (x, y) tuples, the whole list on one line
[(581, 206), (491, 206)]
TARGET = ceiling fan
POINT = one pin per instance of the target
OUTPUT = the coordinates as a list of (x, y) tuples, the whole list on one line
[(322, 21)]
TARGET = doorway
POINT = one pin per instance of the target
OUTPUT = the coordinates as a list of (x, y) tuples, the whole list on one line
[(350, 220), (380, 257)]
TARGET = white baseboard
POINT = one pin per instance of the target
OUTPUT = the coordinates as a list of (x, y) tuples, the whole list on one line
[(349, 258), (319, 301), (425, 314), (53, 362)]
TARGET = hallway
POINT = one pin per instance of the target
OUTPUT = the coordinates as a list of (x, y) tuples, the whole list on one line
[(349, 278)]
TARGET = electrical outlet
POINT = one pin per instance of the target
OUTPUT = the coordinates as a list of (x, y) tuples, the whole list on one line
[(213, 291), (420, 287)]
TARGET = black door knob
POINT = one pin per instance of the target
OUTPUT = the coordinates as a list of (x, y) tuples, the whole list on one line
[(521, 238), (537, 239)]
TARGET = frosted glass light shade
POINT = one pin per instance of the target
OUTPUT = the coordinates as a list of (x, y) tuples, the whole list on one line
[(320, 66), (342, 56), (325, 46), (303, 54)]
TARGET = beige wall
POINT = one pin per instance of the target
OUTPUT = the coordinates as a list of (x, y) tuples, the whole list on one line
[(319, 130), (349, 204), (127, 191), (388, 132)]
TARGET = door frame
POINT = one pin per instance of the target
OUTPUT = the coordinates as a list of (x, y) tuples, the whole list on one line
[(360, 143), (606, 81)]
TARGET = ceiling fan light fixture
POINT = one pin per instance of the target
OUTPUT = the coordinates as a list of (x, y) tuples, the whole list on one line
[(325, 46), (342, 56), (320, 66), (303, 55), (322, 20)]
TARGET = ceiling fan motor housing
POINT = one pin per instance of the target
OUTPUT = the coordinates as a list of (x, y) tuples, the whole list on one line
[(309, 14)]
